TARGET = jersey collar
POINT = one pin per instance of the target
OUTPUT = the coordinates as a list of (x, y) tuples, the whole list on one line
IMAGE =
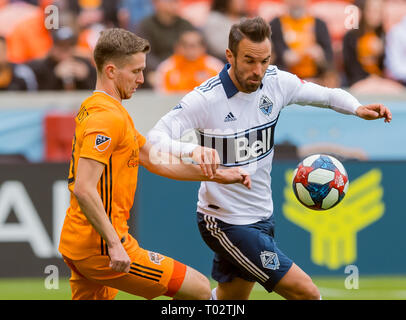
[(228, 85), (101, 91)]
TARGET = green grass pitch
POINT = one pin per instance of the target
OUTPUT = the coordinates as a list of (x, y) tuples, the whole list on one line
[(331, 288)]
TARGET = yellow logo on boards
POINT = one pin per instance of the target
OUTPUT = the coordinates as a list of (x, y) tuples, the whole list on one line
[(334, 232)]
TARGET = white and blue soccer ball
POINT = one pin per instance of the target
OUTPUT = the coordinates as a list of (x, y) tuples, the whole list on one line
[(320, 182)]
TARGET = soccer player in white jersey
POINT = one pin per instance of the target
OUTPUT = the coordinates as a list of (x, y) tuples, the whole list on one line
[(235, 114)]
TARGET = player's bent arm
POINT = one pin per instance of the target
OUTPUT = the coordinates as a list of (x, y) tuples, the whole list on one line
[(207, 158), (87, 176), (169, 166)]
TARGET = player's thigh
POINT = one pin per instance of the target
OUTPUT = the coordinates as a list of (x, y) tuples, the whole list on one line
[(195, 286), (85, 289), (176, 279), (151, 274), (296, 284)]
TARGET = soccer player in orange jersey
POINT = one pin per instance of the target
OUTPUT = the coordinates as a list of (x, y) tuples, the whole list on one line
[(106, 153)]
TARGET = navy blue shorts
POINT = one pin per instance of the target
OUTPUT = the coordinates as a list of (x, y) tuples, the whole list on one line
[(245, 251)]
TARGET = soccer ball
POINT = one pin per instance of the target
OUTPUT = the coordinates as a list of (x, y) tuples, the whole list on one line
[(320, 182)]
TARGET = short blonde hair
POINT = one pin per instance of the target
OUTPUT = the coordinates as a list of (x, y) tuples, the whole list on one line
[(117, 45)]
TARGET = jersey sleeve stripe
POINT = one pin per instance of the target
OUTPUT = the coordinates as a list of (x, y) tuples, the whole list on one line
[(103, 201), (215, 84), (106, 187), (111, 186), (208, 83)]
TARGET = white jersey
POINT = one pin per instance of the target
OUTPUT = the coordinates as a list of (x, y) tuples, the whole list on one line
[(241, 127)]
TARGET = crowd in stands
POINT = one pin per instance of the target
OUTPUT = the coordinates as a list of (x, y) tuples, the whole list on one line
[(358, 44)]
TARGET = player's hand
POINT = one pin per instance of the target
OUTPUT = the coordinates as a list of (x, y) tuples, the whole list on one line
[(233, 175), (119, 259), (373, 112), (208, 159)]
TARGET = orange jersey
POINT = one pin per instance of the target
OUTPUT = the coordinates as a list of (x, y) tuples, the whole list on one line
[(23, 26), (104, 132), (299, 35), (369, 53), (177, 75)]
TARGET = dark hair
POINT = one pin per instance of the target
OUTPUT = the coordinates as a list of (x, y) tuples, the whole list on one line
[(117, 45), (193, 30), (255, 29), (2, 39)]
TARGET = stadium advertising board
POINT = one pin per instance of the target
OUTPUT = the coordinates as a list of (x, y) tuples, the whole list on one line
[(33, 202), (364, 230)]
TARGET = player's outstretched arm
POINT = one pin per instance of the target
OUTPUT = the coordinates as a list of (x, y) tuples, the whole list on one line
[(373, 112), (167, 165), (308, 93)]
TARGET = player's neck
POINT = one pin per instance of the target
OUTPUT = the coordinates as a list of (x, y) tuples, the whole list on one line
[(108, 89)]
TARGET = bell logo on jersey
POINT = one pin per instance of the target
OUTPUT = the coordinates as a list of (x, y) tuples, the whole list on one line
[(265, 104), (244, 150), (243, 147), (102, 143)]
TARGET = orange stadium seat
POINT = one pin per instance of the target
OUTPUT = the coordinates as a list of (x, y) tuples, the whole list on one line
[(58, 132)]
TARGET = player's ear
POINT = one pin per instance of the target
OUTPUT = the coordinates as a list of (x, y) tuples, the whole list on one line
[(110, 70), (229, 56)]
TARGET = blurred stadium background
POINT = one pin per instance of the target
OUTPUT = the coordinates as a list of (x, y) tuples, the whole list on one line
[(364, 233)]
